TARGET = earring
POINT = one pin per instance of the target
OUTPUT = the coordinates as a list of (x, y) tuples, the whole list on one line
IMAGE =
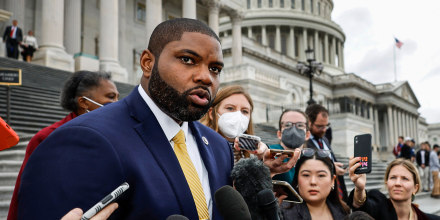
[(333, 187), (413, 196)]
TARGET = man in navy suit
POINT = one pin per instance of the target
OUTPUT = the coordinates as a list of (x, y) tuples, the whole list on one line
[(318, 119), (132, 140), (12, 37)]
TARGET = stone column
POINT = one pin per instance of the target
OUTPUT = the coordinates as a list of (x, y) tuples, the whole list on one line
[(400, 124), (333, 51), (108, 40), (51, 52), (316, 46), (122, 48), (72, 24), (236, 39), (395, 124), (277, 38), (305, 45), (416, 127), (410, 122), (326, 58), (390, 127), (339, 54), (18, 13), (263, 36), (376, 127), (189, 9), (342, 55), (154, 16), (291, 43), (214, 10), (250, 35)]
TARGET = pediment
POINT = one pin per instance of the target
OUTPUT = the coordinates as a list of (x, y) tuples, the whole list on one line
[(404, 91)]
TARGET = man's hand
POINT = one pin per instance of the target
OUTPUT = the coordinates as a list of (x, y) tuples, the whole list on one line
[(340, 171), (76, 213), (359, 180), (277, 166), (262, 148)]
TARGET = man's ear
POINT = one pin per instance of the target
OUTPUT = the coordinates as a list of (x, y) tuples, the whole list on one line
[(82, 103), (147, 63), (279, 134), (210, 114)]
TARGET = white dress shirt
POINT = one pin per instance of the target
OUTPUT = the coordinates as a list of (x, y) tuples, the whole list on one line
[(171, 128)]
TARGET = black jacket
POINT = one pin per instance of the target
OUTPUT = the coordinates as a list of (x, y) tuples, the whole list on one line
[(301, 211), (18, 34), (419, 157)]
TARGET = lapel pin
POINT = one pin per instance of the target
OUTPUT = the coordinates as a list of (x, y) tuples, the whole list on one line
[(205, 140)]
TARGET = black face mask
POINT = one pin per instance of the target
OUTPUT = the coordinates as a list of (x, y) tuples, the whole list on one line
[(293, 137)]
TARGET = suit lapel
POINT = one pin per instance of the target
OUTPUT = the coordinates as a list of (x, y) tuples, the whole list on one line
[(156, 142)]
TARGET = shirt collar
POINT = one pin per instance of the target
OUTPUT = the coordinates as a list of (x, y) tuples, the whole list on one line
[(168, 125)]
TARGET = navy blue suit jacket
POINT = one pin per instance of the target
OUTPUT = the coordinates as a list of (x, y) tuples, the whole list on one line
[(84, 160)]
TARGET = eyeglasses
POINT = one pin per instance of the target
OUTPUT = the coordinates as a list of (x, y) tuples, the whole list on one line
[(310, 152), (299, 125), (322, 127)]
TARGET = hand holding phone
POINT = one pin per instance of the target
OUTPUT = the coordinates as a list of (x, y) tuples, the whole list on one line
[(279, 153), (362, 149), (284, 188), (248, 142)]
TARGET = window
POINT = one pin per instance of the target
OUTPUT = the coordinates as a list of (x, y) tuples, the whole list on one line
[(319, 8), (303, 5), (259, 3), (311, 6), (281, 3), (248, 4), (270, 3), (292, 4), (140, 12), (283, 44)]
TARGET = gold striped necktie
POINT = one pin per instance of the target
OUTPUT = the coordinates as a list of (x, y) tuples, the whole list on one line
[(191, 175)]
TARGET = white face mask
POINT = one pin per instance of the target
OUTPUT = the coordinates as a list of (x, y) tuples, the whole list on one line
[(231, 124), (94, 102)]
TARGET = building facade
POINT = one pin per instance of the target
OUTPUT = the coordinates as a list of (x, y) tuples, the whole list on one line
[(262, 40)]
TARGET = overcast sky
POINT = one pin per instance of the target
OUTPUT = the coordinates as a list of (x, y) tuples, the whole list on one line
[(370, 27)]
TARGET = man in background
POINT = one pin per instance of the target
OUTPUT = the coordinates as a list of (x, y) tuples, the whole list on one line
[(422, 159), (398, 147), (12, 37)]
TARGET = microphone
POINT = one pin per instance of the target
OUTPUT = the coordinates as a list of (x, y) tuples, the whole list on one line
[(177, 217), (268, 204), (250, 176), (8, 137), (231, 204)]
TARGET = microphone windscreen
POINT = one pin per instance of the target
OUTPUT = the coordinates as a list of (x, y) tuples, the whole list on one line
[(231, 204), (177, 217), (268, 204)]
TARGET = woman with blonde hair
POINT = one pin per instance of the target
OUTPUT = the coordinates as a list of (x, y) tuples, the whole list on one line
[(402, 182)]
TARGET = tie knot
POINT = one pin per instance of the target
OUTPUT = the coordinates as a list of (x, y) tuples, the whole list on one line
[(179, 138)]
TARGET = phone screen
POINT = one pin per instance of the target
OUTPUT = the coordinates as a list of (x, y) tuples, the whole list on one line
[(362, 149), (248, 142)]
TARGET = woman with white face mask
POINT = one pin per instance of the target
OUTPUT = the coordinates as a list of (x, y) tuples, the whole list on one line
[(231, 115)]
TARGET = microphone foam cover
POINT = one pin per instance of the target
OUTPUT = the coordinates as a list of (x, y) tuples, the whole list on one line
[(231, 204), (177, 217), (266, 199)]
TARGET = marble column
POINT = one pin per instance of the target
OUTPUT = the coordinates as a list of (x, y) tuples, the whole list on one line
[(376, 127), (250, 34), (189, 9), (277, 38), (51, 52), (395, 123), (236, 39), (399, 114), (390, 127), (291, 43), (154, 16), (263, 36), (305, 45), (416, 127), (333, 51), (316, 46), (108, 41), (214, 10), (326, 58), (122, 23), (410, 122), (342, 55), (17, 7), (72, 26), (339, 54)]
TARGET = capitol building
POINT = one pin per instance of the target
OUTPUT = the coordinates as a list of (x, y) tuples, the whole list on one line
[(262, 40)]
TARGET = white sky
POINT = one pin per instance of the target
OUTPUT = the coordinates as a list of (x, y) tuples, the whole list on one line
[(370, 27)]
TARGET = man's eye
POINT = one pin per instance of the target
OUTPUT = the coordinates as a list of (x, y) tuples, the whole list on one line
[(215, 70), (187, 60)]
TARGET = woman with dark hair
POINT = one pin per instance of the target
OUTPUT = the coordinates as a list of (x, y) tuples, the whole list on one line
[(402, 181), (84, 91), (315, 181)]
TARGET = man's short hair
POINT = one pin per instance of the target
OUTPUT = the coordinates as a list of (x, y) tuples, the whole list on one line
[(313, 110), (435, 146), (172, 30), (401, 137)]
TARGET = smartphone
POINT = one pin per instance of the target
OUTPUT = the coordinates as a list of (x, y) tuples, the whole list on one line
[(248, 142), (105, 201), (284, 188), (279, 153), (362, 149)]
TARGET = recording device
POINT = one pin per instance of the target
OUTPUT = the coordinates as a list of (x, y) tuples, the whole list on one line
[(362, 149), (105, 201), (268, 204), (284, 188), (248, 142), (231, 204), (177, 217), (8, 137), (279, 153)]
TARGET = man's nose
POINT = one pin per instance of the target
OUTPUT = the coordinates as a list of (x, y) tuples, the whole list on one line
[(203, 75)]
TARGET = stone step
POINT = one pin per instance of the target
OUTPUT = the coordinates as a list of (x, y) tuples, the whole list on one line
[(8, 178), (4, 208), (10, 165), (12, 154), (6, 192)]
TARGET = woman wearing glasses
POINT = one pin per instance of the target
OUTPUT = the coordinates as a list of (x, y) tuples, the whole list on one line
[(315, 181), (402, 182), (293, 132)]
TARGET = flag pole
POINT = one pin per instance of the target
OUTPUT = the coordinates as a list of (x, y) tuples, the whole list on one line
[(394, 56)]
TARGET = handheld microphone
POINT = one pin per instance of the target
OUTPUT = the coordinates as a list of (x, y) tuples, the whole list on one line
[(268, 204), (8, 137), (177, 217), (231, 204)]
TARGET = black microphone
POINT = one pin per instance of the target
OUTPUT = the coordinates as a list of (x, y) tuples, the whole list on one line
[(268, 204), (177, 217), (231, 204), (251, 176)]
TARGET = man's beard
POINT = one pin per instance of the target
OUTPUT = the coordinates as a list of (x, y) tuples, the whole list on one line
[(173, 103)]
